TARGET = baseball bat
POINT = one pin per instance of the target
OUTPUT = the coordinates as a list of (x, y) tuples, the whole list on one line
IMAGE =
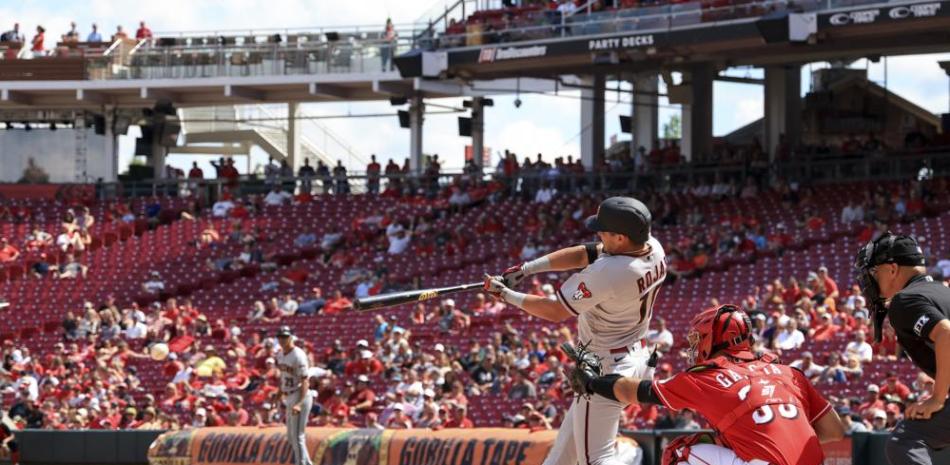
[(397, 298)]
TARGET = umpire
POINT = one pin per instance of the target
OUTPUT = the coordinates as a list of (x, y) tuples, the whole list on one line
[(894, 282)]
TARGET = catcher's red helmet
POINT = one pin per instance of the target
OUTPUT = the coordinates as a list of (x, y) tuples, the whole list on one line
[(724, 328)]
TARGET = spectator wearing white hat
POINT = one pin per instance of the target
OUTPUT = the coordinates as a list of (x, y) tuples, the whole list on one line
[(879, 421), (363, 397), (398, 419), (366, 364)]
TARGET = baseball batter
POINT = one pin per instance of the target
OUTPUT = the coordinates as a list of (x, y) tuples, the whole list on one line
[(295, 392), (765, 413), (612, 298)]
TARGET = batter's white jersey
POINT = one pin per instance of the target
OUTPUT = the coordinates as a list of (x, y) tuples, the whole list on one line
[(613, 297), (613, 301), (294, 367)]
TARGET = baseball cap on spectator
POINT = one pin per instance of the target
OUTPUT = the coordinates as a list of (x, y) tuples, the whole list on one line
[(807, 354), (822, 269), (449, 302), (812, 276), (879, 414), (270, 361), (364, 354), (873, 388), (362, 343), (362, 379), (783, 320), (428, 392), (397, 407), (201, 412), (439, 347)]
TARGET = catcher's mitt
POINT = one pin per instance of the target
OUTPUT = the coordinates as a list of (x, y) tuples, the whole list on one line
[(586, 368)]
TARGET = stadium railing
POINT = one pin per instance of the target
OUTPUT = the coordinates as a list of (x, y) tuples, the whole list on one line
[(665, 178)]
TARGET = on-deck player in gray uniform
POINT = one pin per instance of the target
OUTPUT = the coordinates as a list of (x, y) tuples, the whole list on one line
[(295, 392), (612, 299)]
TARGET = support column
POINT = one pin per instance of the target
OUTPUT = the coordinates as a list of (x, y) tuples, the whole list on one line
[(112, 145), (697, 114), (592, 120), (159, 153), (294, 155), (478, 131), (645, 119), (416, 118), (783, 107)]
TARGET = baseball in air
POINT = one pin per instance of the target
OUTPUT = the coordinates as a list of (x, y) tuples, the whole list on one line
[(158, 351)]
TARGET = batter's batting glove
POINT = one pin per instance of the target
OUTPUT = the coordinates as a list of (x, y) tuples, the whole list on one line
[(495, 285), (513, 276)]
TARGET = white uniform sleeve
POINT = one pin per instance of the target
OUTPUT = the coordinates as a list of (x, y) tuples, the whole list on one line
[(585, 290), (303, 365)]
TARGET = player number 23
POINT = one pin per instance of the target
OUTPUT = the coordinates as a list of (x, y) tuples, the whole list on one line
[(766, 413)]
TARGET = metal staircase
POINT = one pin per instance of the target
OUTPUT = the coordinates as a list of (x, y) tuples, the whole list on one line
[(235, 124)]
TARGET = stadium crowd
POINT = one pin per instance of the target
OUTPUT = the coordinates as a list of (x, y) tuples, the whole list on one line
[(219, 373), (14, 38)]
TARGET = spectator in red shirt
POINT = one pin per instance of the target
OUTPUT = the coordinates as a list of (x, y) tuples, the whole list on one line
[(872, 402), (372, 175), (366, 365), (8, 253), (363, 398), (893, 387), (143, 31), (458, 418), (195, 172), (831, 287), (237, 407), (398, 420), (825, 330), (337, 304)]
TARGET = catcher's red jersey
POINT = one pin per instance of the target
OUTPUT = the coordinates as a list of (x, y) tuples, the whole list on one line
[(761, 410)]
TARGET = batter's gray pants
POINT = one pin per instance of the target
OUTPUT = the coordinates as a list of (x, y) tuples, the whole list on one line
[(914, 442), (297, 428)]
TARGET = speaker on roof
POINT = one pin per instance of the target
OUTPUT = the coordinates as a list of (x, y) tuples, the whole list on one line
[(403, 119), (99, 122), (625, 124), (332, 36), (465, 126)]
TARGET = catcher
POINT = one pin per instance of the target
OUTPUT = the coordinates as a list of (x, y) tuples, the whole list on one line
[(765, 413)]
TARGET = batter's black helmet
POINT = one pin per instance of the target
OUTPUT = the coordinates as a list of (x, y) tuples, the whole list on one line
[(622, 215)]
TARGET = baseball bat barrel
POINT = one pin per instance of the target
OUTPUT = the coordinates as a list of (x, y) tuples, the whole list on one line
[(397, 298)]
